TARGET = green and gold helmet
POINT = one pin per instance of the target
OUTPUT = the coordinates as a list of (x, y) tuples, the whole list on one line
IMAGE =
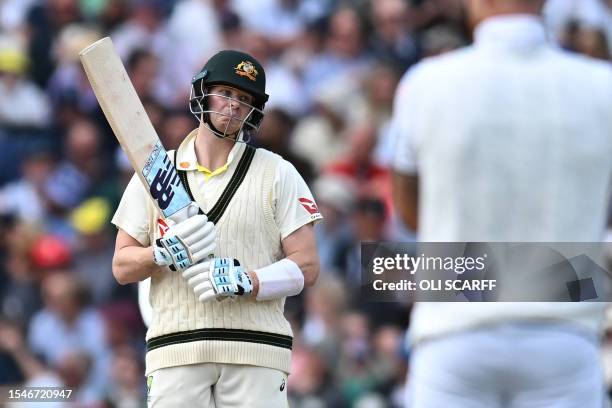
[(238, 70)]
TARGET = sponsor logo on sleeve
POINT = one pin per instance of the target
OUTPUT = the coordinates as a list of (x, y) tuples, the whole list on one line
[(309, 205)]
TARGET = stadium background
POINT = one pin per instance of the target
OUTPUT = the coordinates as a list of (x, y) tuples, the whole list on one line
[(332, 69)]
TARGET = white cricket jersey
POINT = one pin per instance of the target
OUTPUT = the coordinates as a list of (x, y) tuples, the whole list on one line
[(512, 141), (271, 203)]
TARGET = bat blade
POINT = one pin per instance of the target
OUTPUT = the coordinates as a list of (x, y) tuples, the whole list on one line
[(132, 127)]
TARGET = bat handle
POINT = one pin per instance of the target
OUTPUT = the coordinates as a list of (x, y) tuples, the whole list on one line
[(185, 212)]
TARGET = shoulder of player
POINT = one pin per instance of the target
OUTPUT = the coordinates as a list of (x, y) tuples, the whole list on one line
[(429, 68), (590, 76), (262, 154), (583, 65), (275, 160)]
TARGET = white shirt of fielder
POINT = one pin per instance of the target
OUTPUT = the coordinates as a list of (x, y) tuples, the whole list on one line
[(508, 137)]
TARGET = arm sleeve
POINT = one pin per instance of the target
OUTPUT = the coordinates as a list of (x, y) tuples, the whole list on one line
[(294, 205), (403, 125), (134, 212)]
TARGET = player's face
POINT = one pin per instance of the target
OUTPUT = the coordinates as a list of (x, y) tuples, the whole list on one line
[(231, 105)]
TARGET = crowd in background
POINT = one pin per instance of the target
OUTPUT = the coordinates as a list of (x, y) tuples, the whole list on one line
[(332, 68)]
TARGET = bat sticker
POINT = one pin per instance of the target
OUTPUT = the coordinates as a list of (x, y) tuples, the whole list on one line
[(164, 183)]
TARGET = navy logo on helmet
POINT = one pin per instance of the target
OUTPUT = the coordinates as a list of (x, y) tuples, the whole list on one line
[(247, 69)]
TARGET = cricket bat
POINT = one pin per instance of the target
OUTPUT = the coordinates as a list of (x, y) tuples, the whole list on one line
[(132, 127)]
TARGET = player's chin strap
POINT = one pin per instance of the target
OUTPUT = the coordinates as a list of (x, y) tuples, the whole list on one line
[(280, 279), (222, 135)]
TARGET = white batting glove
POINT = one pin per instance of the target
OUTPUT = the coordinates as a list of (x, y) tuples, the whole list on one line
[(185, 244), (217, 278)]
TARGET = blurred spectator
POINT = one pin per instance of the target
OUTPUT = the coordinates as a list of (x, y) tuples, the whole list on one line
[(310, 43), (66, 324), (109, 14), (124, 325), (275, 135), (356, 376), (33, 373), (74, 367), (22, 103), (441, 38), (13, 14), (285, 90), (188, 38), (593, 43), (371, 179), (24, 197), (231, 27), (326, 302), (345, 54), (174, 127), (584, 39), (369, 225), (81, 168), (388, 366), (142, 67), (93, 254), (428, 13), (591, 14), (49, 253), (127, 389), (44, 21), (124, 167), (139, 30), (13, 371), (321, 137), (68, 87), (19, 289), (310, 383), (379, 85), (278, 20), (392, 39), (335, 198)]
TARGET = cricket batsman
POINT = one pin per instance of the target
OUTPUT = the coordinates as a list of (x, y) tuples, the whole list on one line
[(219, 279)]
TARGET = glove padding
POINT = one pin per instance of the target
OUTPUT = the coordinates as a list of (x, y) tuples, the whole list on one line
[(186, 243), (217, 278)]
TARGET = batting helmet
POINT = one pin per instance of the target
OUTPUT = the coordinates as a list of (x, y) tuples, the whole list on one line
[(238, 70)]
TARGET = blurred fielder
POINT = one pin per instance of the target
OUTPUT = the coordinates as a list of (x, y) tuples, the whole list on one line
[(507, 140), (218, 337)]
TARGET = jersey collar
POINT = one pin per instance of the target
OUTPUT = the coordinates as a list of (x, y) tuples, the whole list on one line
[(186, 156), (518, 32)]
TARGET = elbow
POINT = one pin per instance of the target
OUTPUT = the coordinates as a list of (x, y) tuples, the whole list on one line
[(311, 275), (119, 274)]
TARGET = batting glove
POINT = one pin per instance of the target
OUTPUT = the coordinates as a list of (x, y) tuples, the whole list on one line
[(218, 278), (185, 244)]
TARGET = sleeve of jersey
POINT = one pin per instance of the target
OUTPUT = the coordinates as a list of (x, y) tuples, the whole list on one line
[(294, 205), (402, 126), (132, 215)]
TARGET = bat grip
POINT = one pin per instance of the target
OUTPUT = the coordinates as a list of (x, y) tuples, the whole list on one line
[(185, 212)]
